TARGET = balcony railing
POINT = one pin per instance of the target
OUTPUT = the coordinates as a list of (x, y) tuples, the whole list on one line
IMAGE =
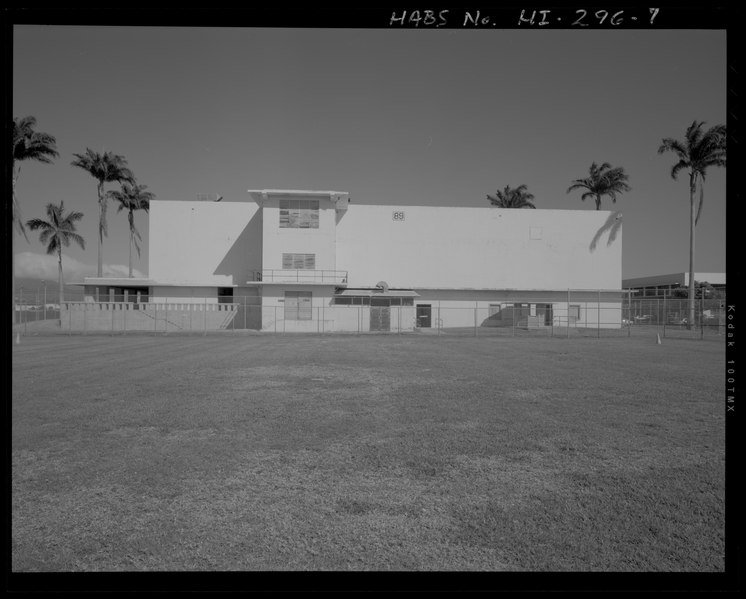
[(307, 277)]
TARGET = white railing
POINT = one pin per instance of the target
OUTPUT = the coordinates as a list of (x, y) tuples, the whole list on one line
[(308, 277)]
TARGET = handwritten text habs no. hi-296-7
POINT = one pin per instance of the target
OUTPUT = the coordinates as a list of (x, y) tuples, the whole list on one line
[(524, 17)]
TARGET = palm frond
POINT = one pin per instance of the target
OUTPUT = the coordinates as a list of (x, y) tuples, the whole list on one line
[(672, 145), (677, 167), (76, 238), (36, 223)]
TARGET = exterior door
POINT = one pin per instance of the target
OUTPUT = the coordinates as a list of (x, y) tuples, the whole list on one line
[(380, 318), (546, 310), (424, 316)]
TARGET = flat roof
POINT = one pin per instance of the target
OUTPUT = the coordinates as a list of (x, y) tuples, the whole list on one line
[(677, 278), (297, 192)]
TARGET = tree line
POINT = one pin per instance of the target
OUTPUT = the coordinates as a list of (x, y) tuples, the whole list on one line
[(59, 228)]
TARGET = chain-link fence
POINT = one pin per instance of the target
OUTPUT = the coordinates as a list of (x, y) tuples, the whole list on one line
[(578, 313)]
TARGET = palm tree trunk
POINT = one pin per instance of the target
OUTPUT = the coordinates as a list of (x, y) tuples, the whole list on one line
[(131, 219), (13, 261), (100, 227), (598, 201), (62, 290), (692, 216), (13, 250)]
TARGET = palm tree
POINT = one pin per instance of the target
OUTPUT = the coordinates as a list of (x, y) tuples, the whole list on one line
[(132, 197), (57, 231), (28, 144), (105, 168), (512, 198), (603, 181), (697, 152)]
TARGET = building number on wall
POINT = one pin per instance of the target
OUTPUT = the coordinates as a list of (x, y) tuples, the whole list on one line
[(398, 215)]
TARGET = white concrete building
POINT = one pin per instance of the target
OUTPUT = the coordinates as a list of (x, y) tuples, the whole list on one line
[(289, 260)]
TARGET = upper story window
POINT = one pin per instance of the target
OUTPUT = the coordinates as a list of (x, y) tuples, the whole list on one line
[(299, 214), (299, 261)]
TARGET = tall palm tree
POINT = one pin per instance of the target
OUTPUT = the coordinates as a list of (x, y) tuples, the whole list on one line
[(699, 150), (105, 168), (512, 198), (132, 197), (603, 181), (57, 231), (28, 144)]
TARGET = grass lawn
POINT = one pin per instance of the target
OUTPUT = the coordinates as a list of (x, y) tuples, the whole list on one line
[(252, 452)]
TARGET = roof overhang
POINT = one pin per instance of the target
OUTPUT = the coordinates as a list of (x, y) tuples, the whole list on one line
[(376, 293), (340, 198), (116, 282)]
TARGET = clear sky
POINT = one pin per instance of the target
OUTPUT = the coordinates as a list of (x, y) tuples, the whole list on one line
[(401, 117)]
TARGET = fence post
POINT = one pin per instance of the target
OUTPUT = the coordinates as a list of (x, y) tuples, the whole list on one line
[(438, 317), (629, 313), (665, 317), (85, 317), (476, 304), (568, 314), (702, 315), (512, 328), (204, 320), (165, 320), (598, 316), (245, 307), (124, 319), (191, 309)]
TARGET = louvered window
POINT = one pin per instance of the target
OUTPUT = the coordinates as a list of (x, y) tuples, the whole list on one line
[(299, 261), (299, 214), (298, 305)]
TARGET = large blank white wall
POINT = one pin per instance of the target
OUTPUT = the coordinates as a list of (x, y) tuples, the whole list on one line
[(204, 243), (445, 247)]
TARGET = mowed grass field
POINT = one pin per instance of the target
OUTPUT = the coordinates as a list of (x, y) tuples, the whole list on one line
[(253, 452)]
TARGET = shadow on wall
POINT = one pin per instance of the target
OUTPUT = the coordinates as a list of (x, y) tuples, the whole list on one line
[(245, 255), (613, 225), (506, 316)]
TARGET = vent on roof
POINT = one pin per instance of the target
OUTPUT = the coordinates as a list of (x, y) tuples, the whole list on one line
[(209, 197)]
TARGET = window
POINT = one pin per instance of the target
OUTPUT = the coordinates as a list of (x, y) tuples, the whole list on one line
[(225, 295), (299, 214), (352, 300), (298, 305), (132, 295), (299, 261)]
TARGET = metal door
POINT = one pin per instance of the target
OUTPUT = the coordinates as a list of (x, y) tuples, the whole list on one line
[(380, 318), (424, 316)]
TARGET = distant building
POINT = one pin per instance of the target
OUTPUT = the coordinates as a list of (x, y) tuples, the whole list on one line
[(312, 261), (659, 286)]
